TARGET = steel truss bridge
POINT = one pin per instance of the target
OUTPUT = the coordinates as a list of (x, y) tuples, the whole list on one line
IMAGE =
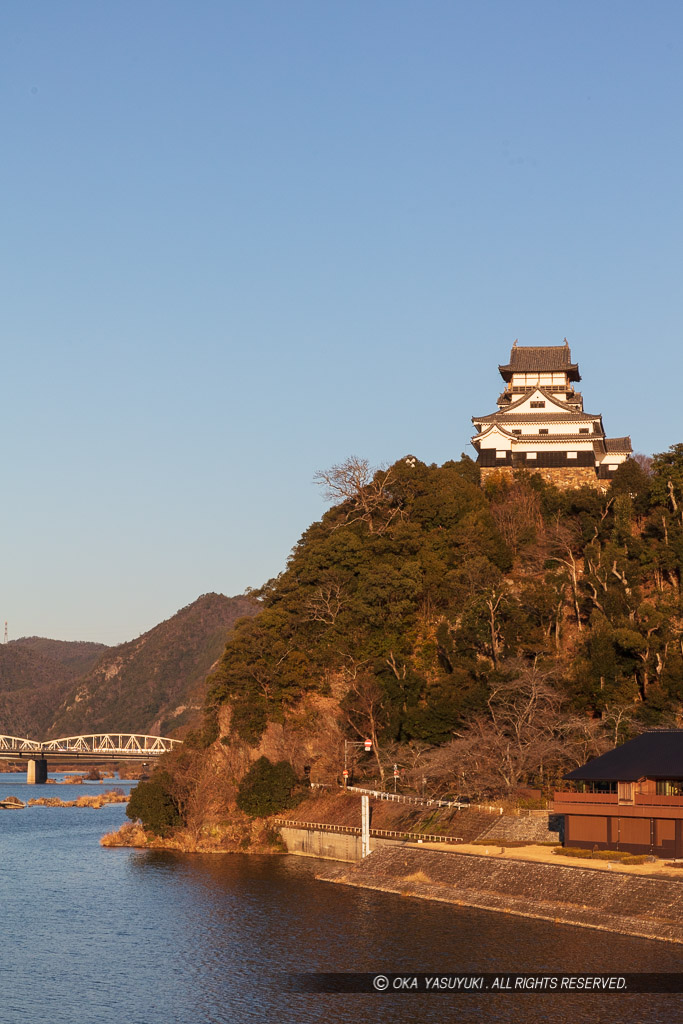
[(101, 746)]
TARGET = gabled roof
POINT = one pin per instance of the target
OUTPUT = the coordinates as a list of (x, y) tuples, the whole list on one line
[(493, 428), (657, 754), (618, 444), (555, 404), (506, 397), (541, 359)]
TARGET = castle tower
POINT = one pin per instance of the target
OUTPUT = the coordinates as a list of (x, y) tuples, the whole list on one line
[(541, 427)]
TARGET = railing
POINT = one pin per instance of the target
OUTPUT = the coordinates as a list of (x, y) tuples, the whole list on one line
[(657, 800), (640, 799), (380, 833), (585, 798), (399, 798)]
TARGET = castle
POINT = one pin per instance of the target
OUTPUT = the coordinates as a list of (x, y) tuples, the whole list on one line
[(541, 427)]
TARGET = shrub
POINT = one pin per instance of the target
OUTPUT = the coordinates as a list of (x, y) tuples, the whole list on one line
[(613, 855), (267, 788), (152, 803)]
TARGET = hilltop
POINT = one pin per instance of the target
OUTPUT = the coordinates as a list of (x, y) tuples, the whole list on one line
[(484, 639), (154, 683), (35, 675)]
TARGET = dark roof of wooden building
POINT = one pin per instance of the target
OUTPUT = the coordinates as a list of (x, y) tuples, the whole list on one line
[(618, 444), (657, 754), (540, 359), (571, 416)]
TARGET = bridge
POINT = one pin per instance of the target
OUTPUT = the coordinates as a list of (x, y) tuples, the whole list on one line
[(96, 747)]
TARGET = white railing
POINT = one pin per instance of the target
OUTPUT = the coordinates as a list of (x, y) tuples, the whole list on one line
[(399, 798)]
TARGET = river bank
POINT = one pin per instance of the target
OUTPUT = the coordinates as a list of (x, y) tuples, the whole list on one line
[(95, 801), (623, 901), (239, 837)]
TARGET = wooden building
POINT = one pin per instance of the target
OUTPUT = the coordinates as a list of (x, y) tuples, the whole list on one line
[(541, 426), (629, 799)]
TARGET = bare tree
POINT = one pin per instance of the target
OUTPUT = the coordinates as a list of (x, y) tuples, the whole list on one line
[(644, 461), (565, 541), (325, 603), (365, 490), (365, 712), (519, 741), (516, 513)]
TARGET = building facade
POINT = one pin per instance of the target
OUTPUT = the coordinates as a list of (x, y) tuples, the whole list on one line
[(541, 426), (629, 799)]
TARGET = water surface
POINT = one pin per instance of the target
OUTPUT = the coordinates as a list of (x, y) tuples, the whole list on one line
[(142, 937)]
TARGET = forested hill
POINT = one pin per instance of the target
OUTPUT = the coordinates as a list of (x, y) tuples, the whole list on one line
[(156, 682), (481, 638), (35, 675)]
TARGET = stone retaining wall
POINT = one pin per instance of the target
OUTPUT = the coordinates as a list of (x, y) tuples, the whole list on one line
[(534, 827), (566, 479), (624, 903), (326, 845)]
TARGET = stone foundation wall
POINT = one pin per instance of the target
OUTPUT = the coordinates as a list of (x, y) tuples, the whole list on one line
[(566, 479)]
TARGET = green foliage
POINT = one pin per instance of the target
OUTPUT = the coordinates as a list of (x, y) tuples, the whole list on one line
[(419, 592), (152, 802), (267, 788)]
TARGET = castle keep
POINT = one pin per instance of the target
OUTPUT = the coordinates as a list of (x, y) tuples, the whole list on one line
[(541, 427)]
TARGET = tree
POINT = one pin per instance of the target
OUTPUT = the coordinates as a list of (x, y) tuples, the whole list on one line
[(361, 490), (519, 741), (267, 788), (151, 802)]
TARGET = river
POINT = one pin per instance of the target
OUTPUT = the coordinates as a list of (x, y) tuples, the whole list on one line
[(94, 935)]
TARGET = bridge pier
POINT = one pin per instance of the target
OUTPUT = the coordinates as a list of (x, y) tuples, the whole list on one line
[(36, 771)]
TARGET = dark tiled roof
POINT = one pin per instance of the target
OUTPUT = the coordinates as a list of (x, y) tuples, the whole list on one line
[(657, 754), (618, 444), (537, 417), (541, 359)]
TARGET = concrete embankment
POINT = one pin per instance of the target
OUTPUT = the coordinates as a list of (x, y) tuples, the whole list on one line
[(630, 905)]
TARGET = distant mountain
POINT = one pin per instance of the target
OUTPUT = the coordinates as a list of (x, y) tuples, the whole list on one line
[(35, 676), (156, 682)]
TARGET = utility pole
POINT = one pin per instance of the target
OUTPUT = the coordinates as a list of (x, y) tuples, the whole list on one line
[(6, 633)]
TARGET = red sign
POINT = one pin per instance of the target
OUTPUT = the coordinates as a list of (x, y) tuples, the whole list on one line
[(345, 774), (368, 744)]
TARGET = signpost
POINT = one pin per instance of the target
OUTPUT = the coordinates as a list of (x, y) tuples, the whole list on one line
[(365, 744)]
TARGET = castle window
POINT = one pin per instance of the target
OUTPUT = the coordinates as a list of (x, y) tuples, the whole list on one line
[(531, 455), (537, 405), (516, 431), (572, 455), (501, 455), (543, 430), (584, 430)]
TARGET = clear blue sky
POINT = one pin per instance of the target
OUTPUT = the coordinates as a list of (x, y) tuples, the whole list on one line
[(241, 241)]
